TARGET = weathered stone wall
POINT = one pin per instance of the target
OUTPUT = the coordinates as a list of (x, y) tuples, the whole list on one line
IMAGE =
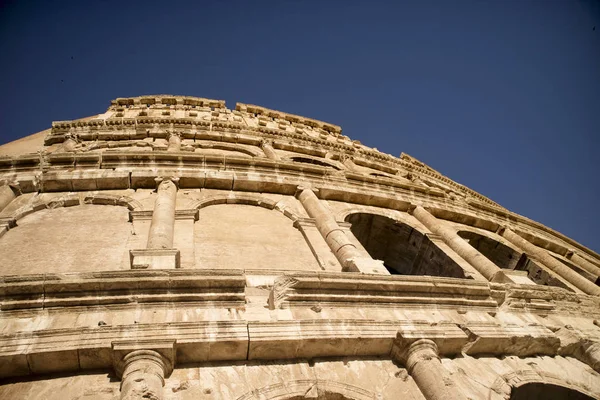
[(233, 235), (171, 248), (44, 241)]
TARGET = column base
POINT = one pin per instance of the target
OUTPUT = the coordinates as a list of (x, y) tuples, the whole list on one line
[(512, 276), (365, 265), (154, 259)]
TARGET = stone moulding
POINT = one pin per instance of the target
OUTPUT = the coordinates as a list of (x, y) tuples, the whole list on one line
[(232, 173), (75, 349), (121, 288), (290, 290), (351, 290)]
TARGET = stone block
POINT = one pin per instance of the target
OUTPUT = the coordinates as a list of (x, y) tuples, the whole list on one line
[(154, 259)]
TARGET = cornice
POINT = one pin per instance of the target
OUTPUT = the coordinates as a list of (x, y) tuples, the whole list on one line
[(343, 144)]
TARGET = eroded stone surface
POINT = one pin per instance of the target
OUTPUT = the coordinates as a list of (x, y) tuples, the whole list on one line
[(252, 254)]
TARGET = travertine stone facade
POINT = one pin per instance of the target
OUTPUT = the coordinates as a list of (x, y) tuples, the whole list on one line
[(172, 248)]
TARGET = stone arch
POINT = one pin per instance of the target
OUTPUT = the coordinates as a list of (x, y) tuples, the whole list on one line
[(510, 382), (46, 233), (314, 388), (404, 249), (507, 256), (238, 237), (73, 199), (499, 251), (246, 199), (384, 212)]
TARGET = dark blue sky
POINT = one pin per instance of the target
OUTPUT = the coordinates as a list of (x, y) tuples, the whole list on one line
[(502, 96)]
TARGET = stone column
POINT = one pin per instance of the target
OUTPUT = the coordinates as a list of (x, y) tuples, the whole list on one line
[(7, 195), (583, 263), (159, 252), (480, 262), (424, 366), (550, 262), (174, 142), (163, 216), (267, 147), (346, 253), (143, 374), (326, 259)]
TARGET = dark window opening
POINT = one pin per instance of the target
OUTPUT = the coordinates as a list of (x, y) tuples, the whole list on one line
[(311, 161), (498, 253), (543, 391), (379, 175), (506, 258), (404, 250)]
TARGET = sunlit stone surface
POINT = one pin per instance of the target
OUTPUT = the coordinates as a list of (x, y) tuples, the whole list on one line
[(172, 248)]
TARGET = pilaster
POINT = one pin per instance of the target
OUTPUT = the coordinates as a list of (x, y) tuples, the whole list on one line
[(143, 367), (341, 246), (159, 252), (550, 262), (267, 147), (422, 361), (584, 264), (326, 259), (480, 262)]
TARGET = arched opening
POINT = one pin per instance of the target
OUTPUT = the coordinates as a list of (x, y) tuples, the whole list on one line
[(84, 238), (498, 253), (244, 236), (507, 258), (313, 161), (404, 250), (544, 391)]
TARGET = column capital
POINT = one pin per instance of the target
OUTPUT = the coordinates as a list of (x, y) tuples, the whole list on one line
[(412, 207), (410, 354), (155, 354), (160, 180), (301, 188)]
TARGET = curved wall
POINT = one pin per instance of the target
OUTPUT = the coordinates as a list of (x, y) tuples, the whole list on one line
[(172, 248)]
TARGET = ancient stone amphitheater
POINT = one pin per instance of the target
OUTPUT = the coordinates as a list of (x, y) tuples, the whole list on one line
[(172, 248)]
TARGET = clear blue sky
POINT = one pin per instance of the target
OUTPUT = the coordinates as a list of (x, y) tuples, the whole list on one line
[(502, 96)]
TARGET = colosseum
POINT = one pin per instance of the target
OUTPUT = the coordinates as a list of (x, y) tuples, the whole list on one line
[(171, 248)]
